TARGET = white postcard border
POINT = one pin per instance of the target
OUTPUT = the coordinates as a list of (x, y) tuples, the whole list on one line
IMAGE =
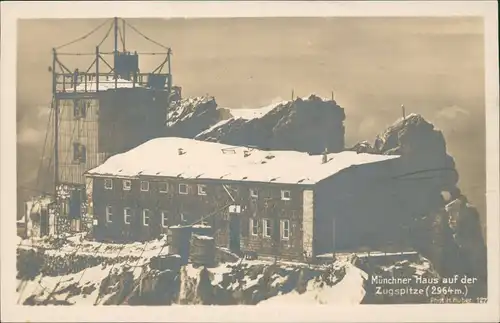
[(11, 11)]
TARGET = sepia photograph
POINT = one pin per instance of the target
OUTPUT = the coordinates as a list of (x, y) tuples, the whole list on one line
[(251, 160)]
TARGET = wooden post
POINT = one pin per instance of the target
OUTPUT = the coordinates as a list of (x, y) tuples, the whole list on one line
[(96, 69), (333, 238)]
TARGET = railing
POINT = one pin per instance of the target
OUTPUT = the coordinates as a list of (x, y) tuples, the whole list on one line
[(92, 82)]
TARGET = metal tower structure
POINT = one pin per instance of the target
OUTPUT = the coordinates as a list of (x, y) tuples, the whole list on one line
[(103, 109)]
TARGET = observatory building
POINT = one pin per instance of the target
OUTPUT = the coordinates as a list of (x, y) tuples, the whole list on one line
[(102, 110)]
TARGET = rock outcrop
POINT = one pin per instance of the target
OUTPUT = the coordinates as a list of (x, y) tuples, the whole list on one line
[(308, 125), (187, 118), (442, 225)]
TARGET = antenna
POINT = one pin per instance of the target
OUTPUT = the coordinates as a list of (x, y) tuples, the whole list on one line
[(115, 24), (123, 41), (55, 105)]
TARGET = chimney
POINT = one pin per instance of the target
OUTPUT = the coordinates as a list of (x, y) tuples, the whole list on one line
[(324, 158)]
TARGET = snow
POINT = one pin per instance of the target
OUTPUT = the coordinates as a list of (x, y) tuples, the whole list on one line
[(94, 248), (200, 237), (249, 114), (185, 109), (160, 157), (399, 121), (36, 204), (215, 126), (453, 205), (348, 291), (241, 114), (92, 275), (104, 85), (248, 282), (218, 273), (382, 254), (201, 226)]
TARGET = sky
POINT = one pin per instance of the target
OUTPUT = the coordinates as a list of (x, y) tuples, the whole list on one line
[(434, 66)]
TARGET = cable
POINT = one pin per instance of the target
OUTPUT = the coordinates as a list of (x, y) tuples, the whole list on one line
[(146, 37), (97, 301), (84, 36), (62, 276), (402, 176), (84, 270), (76, 54), (105, 36), (140, 276), (121, 38)]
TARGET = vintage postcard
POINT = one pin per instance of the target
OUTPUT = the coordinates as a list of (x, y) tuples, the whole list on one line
[(259, 161)]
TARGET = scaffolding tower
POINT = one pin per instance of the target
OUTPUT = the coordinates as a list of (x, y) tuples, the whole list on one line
[(103, 109)]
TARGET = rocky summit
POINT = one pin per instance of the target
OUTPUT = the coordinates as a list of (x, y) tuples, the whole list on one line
[(309, 124)]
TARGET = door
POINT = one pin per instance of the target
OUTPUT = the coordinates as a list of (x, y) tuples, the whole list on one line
[(44, 222), (75, 202), (234, 233)]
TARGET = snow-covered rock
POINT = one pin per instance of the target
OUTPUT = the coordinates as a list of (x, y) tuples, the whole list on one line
[(304, 124), (112, 276), (188, 117)]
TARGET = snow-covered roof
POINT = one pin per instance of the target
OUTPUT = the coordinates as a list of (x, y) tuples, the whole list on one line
[(208, 160)]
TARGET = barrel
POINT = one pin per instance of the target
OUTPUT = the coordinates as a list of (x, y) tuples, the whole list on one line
[(164, 262), (201, 229), (178, 239), (202, 251)]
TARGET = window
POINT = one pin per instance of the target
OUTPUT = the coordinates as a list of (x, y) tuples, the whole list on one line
[(127, 213), (79, 109), (267, 228), (65, 208), (108, 184), (183, 189), (285, 229), (254, 193), (202, 189), (109, 213), (127, 185), (254, 227), (79, 153), (144, 186), (163, 187), (164, 219), (145, 217), (285, 195)]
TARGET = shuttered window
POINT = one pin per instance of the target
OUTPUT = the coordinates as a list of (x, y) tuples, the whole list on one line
[(109, 213), (127, 213), (267, 226), (254, 227), (145, 217), (285, 229)]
